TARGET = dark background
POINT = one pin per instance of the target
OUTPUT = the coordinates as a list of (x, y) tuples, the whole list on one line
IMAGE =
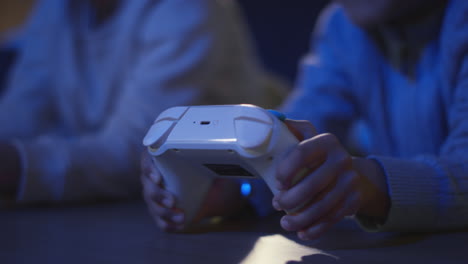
[(281, 29)]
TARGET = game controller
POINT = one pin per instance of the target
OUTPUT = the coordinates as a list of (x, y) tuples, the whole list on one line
[(192, 145)]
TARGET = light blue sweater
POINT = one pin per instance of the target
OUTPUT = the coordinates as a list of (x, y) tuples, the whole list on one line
[(418, 123)]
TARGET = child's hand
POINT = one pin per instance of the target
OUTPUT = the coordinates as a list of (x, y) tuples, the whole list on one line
[(223, 199), (161, 203), (331, 187)]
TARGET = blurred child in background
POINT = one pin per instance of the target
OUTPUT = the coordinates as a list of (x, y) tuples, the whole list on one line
[(92, 75)]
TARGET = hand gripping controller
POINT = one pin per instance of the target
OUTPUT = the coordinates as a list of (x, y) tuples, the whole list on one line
[(193, 145)]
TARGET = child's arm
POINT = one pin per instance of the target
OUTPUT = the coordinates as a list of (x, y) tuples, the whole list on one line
[(422, 193)]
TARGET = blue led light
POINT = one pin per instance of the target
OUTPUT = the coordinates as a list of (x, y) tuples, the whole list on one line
[(246, 188)]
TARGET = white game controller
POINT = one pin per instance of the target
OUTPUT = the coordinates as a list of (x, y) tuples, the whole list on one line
[(192, 145)]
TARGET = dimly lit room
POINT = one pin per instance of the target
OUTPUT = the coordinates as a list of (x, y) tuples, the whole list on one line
[(233, 131)]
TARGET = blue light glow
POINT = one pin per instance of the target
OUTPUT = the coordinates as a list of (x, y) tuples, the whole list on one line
[(278, 115), (246, 188)]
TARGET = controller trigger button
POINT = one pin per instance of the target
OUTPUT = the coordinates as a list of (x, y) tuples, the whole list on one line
[(157, 133), (172, 114), (252, 135), (256, 114)]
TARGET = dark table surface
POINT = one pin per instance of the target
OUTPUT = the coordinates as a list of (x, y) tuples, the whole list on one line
[(125, 233)]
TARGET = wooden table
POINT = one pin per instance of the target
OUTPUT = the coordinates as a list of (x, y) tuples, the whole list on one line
[(125, 233)]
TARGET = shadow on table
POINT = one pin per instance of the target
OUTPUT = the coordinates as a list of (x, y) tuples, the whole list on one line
[(315, 259), (348, 235)]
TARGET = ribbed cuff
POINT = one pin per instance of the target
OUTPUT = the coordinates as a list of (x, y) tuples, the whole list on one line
[(412, 187)]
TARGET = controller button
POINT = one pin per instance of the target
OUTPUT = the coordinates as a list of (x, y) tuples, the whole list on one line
[(252, 135), (257, 114)]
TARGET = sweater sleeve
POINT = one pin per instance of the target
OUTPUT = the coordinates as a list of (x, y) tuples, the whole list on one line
[(173, 67), (431, 192)]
